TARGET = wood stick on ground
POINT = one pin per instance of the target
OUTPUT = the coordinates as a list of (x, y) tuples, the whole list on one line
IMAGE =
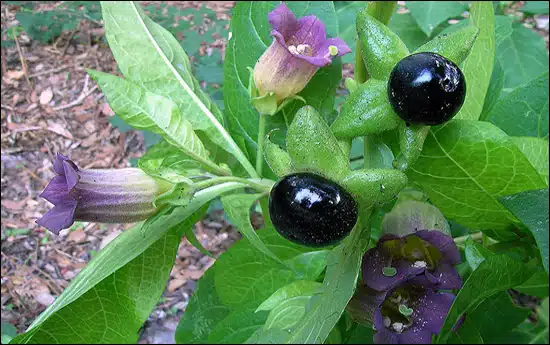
[(23, 61)]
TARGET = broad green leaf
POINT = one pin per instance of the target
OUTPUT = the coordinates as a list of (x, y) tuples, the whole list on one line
[(250, 38), (346, 25), (144, 110), (521, 52), (294, 289), (245, 277), (537, 285), (536, 151), (531, 208), (366, 111), (478, 66), (289, 304), (309, 265), (493, 92), (203, 312), (166, 161), (475, 253), (237, 207), (150, 56), (343, 267), (381, 48), (237, 327), (278, 159), (455, 46), (535, 7), (8, 332), (112, 297), (313, 147), (429, 14), (496, 274), (404, 25), (361, 335), (491, 322), (466, 166), (524, 111)]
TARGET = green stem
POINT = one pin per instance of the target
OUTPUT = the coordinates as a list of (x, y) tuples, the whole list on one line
[(214, 181), (264, 204), (360, 71), (260, 152), (475, 237)]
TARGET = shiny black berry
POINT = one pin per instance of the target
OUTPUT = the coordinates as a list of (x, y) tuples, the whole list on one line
[(310, 210), (426, 88)]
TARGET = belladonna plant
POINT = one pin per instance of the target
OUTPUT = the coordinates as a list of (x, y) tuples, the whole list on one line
[(98, 195), (300, 47)]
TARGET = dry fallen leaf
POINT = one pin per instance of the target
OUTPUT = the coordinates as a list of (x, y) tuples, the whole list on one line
[(15, 75), (59, 129), (78, 236), (174, 284), (45, 298), (46, 96)]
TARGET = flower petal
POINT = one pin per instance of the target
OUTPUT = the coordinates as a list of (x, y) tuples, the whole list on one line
[(383, 335), (416, 336), (60, 217), (374, 262), (445, 277), (71, 174), (431, 310), (282, 21), (56, 190), (339, 43), (310, 31), (58, 163), (443, 242)]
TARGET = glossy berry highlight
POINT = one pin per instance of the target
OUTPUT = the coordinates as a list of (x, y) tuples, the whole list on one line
[(310, 210), (426, 88)]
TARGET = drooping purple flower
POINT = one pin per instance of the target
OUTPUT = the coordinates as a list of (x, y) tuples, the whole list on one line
[(410, 313), (299, 49), (395, 260), (98, 195)]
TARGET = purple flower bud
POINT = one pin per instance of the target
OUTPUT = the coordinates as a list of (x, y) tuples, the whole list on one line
[(299, 49), (395, 259), (407, 314), (98, 195)]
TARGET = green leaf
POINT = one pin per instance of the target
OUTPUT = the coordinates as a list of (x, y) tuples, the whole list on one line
[(343, 267), (412, 214), (111, 298), (144, 110), (138, 44), (535, 7), (8, 332), (455, 46), (361, 335), (309, 265), (520, 51), (377, 153), (278, 159), (529, 103), (491, 322), (374, 186), (346, 20), (466, 166), (531, 208), (237, 327), (537, 285), (536, 151), (289, 304), (429, 14), (237, 207), (203, 312), (245, 277), (250, 38), (313, 147), (496, 274), (478, 66), (381, 48), (404, 25), (294, 289), (366, 111), (166, 161), (493, 92), (475, 254)]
